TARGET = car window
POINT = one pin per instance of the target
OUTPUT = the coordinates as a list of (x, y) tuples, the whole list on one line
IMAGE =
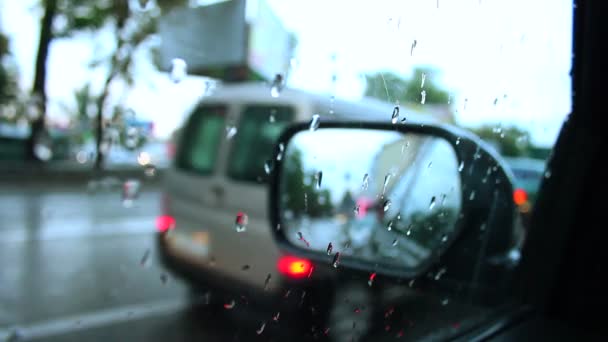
[(258, 130), (200, 144)]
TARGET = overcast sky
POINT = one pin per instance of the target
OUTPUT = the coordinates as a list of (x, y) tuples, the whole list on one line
[(485, 49)]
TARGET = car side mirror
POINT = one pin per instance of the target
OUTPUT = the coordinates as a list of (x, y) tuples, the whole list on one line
[(389, 199)]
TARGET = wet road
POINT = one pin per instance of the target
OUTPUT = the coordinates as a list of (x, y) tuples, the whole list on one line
[(71, 270)]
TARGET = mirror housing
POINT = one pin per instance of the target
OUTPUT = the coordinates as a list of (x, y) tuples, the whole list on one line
[(484, 229)]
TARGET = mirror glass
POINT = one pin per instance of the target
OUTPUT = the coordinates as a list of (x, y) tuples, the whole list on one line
[(379, 196)]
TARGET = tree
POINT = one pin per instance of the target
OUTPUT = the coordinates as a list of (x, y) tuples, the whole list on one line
[(8, 83), (390, 87), (510, 141)]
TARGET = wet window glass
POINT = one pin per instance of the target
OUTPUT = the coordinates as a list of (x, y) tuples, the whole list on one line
[(259, 129)]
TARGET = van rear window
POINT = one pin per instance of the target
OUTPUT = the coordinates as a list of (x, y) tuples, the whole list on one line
[(259, 129), (201, 140)]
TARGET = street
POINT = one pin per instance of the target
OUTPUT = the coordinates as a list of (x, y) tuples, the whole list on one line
[(74, 268)]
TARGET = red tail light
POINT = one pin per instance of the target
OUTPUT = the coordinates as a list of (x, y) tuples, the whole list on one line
[(520, 196), (294, 267), (165, 223)]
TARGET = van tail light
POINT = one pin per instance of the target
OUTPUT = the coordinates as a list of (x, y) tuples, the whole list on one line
[(294, 267), (164, 223)]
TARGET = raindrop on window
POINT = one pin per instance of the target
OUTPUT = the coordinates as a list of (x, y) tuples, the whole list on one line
[(230, 132), (261, 329), (445, 301), (336, 260), (387, 179), (150, 170), (240, 224), (267, 281), (496, 101), (145, 258), (268, 166), (386, 205), (245, 267), (271, 118), (356, 210), (432, 204), (444, 238), (330, 248), (314, 122), (423, 97), (389, 226), (440, 273), (280, 154), (230, 306), (164, 278), (365, 183), (414, 43), (276, 86), (472, 195), (178, 70), (458, 141), (395, 115), (301, 238), (548, 174), (318, 179), (430, 164), (43, 151), (422, 80), (370, 281), (395, 242)]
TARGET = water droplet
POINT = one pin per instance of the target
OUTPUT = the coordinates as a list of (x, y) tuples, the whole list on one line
[(423, 97), (240, 223), (443, 198), (387, 205), (143, 3), (458, 141), (144, 259), (482, 227), (548, 174), (268, 166), (281, 149), (445, 301), (178, 70), (408, 232), (245, 267), (43, 151), (267, 281), (461, 166), (365, 184), (356, 210), (440, 273), (164, 278), (330, 247), (130, 192), (430, 164), (271, 118), (276, 317), (314, 122), (261, 329), (389, 226), (277, 86), (230, 306), (414, 43), (411, 283), (150, 170), (432, 204), (422, 80), (395, 242), (472, 195), (387, 179), (301, 238), (336, 260), (444, 238), (318, 179), (230, 132), (371, 279), (395, 115)]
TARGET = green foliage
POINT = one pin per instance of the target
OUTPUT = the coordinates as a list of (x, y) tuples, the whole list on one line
[(301, 195), (390, 87), (510, 141), (8, 77)]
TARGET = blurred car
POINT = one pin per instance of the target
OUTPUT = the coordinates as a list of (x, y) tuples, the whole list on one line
[(214, 221), (528, 174)]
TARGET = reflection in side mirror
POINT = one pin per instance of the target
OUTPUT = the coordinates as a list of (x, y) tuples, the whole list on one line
[(382, 199)]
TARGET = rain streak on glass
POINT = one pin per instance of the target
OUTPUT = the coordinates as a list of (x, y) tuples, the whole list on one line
[(267, 281), (229, 306), (387, 179), (336, 260), (268, 166), (395, 116), (240, 224), (458, 141), (423, 97), (548, 174), (422, 80), (370, 281), (386, 205), (314, 122), (280, 154), (395, 242), (178, 70), (365, 182), (461, 166), (277, 86), (145, 258), (230, 132), (356, 210), (164, 278), (318, 179), (389, 226), (414, 43), (330, 248), (472, 195), (430, 164), (432, 204), (261, 329), (149, 170)]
